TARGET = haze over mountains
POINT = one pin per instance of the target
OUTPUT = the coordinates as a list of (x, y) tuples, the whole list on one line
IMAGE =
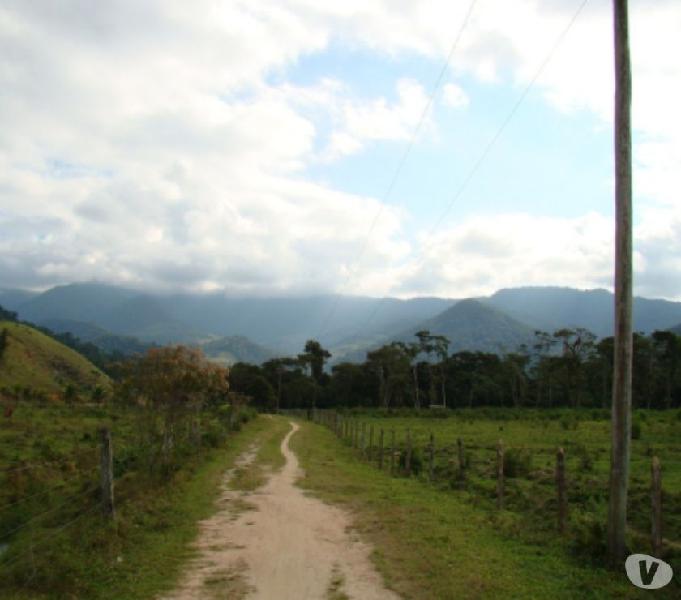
[(255, 329)]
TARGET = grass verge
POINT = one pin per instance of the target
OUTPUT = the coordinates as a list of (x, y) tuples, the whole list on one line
[(433, 544), (141, 555)]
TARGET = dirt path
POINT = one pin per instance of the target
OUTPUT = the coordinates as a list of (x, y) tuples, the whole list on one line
[(277, 544)]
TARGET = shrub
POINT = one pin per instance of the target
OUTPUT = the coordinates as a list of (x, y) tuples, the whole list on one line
[(416, 460), (517, 463), (589, 540)]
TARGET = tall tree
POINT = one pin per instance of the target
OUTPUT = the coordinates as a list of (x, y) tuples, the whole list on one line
[(315, 356), (438, 345), (391, 364), (667, 346), (276, 368), (621, 387)]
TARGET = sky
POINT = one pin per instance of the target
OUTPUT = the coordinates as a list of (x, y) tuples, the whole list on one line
[(379, 147)]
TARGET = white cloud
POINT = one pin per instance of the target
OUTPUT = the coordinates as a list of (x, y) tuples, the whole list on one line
[(146, 142), (486, 253), (454, 96)]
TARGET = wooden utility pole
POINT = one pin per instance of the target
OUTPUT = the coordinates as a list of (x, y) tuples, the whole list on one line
[(621, 387), (656, 504)]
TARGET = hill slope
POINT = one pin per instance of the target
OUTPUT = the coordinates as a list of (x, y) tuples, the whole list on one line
[(233, 349), (32, 359), (472, 325), (93, 334)]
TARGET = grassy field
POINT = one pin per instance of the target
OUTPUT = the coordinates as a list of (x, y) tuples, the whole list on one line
[(448, 540), (54, 541), (530, 442), (36, 361)]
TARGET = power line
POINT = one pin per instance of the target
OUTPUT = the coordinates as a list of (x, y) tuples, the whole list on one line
[(507, 120), (476, 166), (15, 559), (78, 456), (49, 511), (400, 166), (26, 498)]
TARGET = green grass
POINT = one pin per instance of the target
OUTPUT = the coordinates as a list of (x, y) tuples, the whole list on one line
[(431, 543), (138, 556), (36, 361), (533, 438)]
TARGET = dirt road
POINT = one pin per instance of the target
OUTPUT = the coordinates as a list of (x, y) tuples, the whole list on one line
[(278, 544)]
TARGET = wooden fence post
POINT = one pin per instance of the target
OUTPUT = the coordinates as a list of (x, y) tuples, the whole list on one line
[(106, 468), (363, 445), (656, 501), (431, 457), (407, 458), (560, 485), (500, 474), (380, 450), (462, 459), (392, 451), (370, 449)]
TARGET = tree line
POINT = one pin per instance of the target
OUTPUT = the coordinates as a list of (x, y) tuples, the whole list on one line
[(565, 368)]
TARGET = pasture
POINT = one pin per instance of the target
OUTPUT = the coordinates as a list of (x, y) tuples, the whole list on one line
[(464, 461)]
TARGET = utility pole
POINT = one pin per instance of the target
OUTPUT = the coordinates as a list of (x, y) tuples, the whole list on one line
[(621, 388)]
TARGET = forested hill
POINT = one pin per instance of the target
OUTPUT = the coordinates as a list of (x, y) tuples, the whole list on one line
[(472, 325)]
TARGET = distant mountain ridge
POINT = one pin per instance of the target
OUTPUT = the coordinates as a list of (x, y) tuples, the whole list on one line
[(347, 325), (283, 324), (550, 308)]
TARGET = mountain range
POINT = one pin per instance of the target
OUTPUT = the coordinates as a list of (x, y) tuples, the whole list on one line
[(257, 328)]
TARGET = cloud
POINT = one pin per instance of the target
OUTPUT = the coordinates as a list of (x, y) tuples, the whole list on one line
[(454, 96), (496, 251), (161, 144), (487, 253)]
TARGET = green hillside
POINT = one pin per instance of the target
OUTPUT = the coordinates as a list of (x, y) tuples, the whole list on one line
[(233, 349), (472, 325), (31, 359)]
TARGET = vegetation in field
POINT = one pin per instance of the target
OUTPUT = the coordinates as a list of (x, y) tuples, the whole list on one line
[(169, 415), (434, 543), (531, 439)]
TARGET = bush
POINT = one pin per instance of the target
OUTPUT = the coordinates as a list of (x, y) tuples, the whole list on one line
[(589, 540), (517, 463), (416, 460)]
